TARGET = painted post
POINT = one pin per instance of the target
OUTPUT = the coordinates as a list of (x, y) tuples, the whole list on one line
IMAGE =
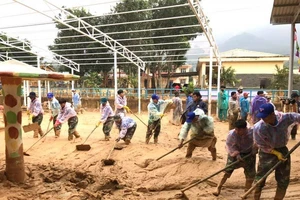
[(12, 92)]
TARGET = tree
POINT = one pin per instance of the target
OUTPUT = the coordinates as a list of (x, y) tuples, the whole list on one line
[(280, 79), (92, 80), (228, 76)]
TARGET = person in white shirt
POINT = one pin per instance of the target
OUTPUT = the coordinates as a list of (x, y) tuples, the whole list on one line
[(55, 109)]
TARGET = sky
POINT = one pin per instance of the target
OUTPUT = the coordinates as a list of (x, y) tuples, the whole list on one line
[(227, 17)]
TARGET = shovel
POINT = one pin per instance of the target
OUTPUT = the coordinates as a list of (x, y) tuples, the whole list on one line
[(85, 147), (108, 160), (25, 153), (244, 196), (139, 118), (47, 130)]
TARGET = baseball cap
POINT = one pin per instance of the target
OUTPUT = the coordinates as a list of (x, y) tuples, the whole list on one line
[(265, 110), (190, 117), (199, 112), (103, 100), (155, 96), (32, 94)]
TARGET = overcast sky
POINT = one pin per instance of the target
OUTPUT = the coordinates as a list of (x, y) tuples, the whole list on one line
[(227, 17)]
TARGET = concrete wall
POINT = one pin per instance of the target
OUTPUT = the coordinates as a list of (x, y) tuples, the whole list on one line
[(267, 67)]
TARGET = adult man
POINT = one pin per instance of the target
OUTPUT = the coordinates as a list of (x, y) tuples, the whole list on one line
[(233, 110), (126, 126), (155, 113), (35, 113), (121, 103), (239, 144), (196, 103), (76, 101), (295, 108), (202, 132), (271, 136), (177, 111), (189, 99), (257, 101), (55, 109), (239, 93), (67, 113), (245, 106), (106, 118), (222, 104)]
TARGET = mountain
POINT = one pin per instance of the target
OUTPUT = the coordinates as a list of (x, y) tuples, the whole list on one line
[(254, 43)]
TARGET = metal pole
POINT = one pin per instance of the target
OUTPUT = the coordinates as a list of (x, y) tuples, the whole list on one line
[(72, 71), (139, 90), (218, 85), (210, 79), (115, 73), (28, 99), (24, 93), (291, 65), (48, 89), (39, 82)]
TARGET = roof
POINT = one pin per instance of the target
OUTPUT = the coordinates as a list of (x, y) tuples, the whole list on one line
[(243, 53), (17, 69), (285, 12)]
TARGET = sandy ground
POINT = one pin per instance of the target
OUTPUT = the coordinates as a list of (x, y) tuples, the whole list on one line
[(56, 170)]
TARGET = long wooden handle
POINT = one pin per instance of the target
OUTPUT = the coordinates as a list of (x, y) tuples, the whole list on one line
[(39, 139), (269, 172), (174, 149), (138, 118), (202, 180), (90, 134), (111, 150)]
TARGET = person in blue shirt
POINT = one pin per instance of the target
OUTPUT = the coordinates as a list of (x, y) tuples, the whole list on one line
[(245, 106), (76, 101)]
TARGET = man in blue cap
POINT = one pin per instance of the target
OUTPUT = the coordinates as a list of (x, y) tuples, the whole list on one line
[(55, 109), (155, 113), (107, 119), (202, 132), (271, 136), (35, 113)]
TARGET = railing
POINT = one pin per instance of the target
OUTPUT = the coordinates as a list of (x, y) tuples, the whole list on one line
[(146, 93)]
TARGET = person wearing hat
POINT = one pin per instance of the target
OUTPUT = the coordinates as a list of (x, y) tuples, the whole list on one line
[(222, 104), (240, 93), (35, 113), (296, 109), (257, 101), (239, 144), (121, 103), (107, 119), (271, 135), (55, 109), (126, 126), (245, 106), (233, 110), (202, 130), (67, 113), (155, 113), (177, 111), (76, 101)]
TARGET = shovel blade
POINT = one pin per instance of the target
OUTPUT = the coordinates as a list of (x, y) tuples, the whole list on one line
[(107, 162), (30, 127), (83, 147)]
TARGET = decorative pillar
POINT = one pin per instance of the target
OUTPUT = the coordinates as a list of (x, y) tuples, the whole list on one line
[(12, 92)]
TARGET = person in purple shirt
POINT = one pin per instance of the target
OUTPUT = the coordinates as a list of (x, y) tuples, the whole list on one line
[(257, 101), (271, 135), (239, 144)]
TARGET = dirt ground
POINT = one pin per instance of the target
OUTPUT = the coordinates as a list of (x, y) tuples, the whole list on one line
[(56, 170)]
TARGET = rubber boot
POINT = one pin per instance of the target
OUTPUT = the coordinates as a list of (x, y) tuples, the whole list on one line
[(70, 137), (40, 132), (36, 133), (147, 139), (155, 140), (257, 193), (280, 193), (221, 183), (127, 141), (57, 133), (213, 152), (76, 134), (248, 184)]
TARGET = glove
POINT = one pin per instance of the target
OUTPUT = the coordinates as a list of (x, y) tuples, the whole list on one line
[(279, 155), (161, 115), (57, 123), (126, 108), (98, 124), (239, 158), (51, 118), (118, 139), (30, 117)]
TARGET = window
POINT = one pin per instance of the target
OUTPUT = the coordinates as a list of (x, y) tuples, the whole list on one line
[(183, 70), (182, 81)]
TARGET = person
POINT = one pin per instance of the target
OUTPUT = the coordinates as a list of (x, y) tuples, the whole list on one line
[(222, 104), (67, 113), (240, 93), (245, 106), (296, 109), (196, 103), (269, 100), (155, 113), (257, 101), (76, 101), (121, 103), (35, 114), (271, 136), (189, 98), (202, 132), (106, 118), (239, 144), (126, 126), (233, 110), (177, 88), (55, 109), (177, 102)]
